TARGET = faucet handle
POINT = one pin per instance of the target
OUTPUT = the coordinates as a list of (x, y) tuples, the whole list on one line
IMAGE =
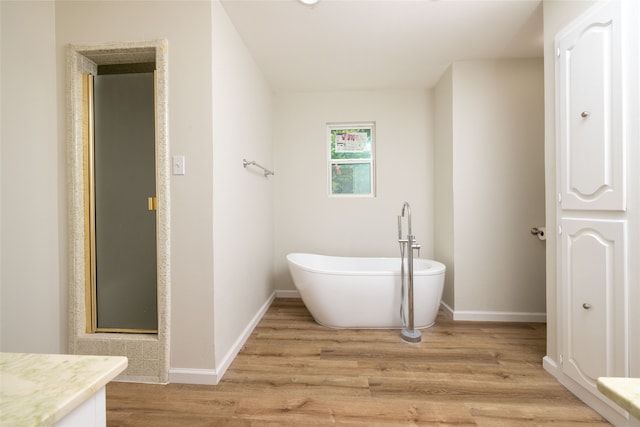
[(416, 246)]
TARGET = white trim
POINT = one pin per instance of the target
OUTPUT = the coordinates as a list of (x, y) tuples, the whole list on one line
[(213, 376), (598, 402), (193, 376), (550, 365), (447, 310), (244, 336), (287, 293), (494, 316), (500, 316)]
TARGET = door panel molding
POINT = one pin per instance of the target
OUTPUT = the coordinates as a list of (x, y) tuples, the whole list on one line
[(594, 289), (592, 163)]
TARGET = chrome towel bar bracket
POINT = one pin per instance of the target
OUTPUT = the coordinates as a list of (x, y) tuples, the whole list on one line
[(246, 163)]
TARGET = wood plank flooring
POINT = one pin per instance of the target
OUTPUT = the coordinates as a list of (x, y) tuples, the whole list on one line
[(294, 372)]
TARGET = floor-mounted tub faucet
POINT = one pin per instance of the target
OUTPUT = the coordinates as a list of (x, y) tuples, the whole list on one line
[(408, 333)]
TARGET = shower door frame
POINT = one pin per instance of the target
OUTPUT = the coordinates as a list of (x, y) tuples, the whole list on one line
[(90, 165), (148, 353)]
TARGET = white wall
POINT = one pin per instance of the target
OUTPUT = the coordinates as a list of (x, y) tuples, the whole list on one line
[(443, 192), (33, 263), (242, 198), (307, 219), (34, 196), (498, 110), (187, 27), (492, 144), (556, 14)]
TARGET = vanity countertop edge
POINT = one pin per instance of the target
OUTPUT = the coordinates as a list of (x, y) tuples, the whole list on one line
[(41, 389), (623, 391)]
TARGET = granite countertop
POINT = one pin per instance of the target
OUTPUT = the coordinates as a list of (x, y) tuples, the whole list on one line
[(624, 391), (40, 389)]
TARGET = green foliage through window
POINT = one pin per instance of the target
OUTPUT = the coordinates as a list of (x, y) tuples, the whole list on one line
[(359, 140), (351, 149)]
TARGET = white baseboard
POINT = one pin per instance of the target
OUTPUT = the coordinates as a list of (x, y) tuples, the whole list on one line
[(283, 293), (447, 310), (476, 316), (193, 376), (237, 346), (213, 376), (550, 366), (494, 316), (609, 410)]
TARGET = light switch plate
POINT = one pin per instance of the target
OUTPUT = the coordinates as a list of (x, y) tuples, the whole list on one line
[(178, 165)]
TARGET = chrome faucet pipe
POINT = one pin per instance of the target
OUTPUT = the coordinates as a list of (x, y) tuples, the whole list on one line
[(409, 334), (410, 241), (408, 209)]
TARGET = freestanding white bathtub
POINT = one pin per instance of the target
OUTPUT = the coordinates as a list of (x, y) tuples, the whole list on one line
[(342, 292)]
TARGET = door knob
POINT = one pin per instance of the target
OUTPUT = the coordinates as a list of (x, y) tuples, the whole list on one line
[(586, 306), (540, 232)]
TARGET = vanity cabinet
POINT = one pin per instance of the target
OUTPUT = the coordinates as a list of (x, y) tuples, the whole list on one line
[(593, 295), (597, 199)]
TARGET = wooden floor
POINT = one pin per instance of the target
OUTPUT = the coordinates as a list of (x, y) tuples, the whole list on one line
[(294, 372)]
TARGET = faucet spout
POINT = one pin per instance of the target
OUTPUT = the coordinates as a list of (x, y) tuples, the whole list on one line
[(406, 207)]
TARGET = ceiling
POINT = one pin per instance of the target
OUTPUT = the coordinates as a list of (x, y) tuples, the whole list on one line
[(380, 44)]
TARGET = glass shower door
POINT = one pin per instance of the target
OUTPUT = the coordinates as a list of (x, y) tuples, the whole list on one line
[(124, 164)]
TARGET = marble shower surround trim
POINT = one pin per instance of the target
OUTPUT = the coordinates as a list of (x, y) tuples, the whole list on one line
[(148, 354)]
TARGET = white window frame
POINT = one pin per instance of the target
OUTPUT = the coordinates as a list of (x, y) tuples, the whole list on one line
[(331, 127)]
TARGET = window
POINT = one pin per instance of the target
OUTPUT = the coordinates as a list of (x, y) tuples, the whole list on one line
[(351, 155)]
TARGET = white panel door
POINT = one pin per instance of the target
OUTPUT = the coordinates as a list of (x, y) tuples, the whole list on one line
[(594, 283), (591, 152)]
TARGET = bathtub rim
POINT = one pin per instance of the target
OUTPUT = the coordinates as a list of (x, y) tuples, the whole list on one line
[(436, 267)]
